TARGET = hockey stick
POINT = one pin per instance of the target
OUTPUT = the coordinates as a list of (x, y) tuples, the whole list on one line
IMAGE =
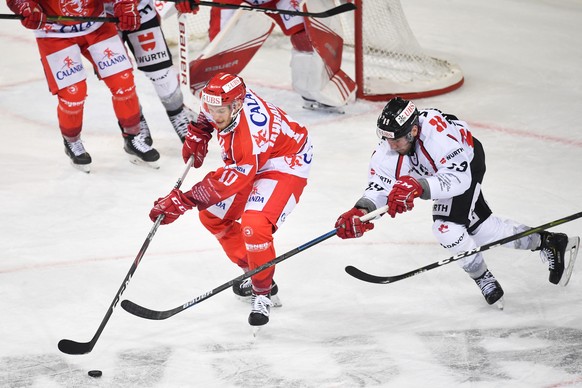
[(330, 12), (73, 347), (359, 274), (143, 312), (61, 18)]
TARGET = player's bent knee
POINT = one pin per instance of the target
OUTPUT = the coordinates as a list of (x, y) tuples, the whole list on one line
[(73, 95), (256, 228), (452, 236), (121, 83), (215, 225)]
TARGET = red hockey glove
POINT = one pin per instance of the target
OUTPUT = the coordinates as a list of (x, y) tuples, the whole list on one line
[(348, 225), (187, 6), (33, 17), (196, 143), (171, 206), (402, 195), (127, 13)]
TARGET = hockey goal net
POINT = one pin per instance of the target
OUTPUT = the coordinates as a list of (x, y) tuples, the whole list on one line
[(380, 50)]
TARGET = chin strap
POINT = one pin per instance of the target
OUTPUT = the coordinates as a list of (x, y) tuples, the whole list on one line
[(235, 120)]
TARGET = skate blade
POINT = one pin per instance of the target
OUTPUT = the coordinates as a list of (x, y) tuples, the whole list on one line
[(139, 162), (256, 330), (571, 254), (86, 168), (500, 304), (324, 109), (274, 299)]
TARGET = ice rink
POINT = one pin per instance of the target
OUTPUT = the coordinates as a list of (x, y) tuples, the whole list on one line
[(69, 238)]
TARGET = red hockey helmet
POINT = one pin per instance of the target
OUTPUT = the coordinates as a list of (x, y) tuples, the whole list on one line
[(223, 89)]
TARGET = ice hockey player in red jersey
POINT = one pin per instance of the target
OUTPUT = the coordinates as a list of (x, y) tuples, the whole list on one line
[(267, 158), (152, 56), (427, 154), (62, 45)]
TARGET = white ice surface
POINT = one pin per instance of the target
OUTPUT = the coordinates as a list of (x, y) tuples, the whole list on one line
[(68, 238)]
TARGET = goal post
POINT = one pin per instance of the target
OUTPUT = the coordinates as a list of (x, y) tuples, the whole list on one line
[(388, 59), (381, 52)]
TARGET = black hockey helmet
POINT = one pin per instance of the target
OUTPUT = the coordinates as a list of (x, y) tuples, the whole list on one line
[(397, 119)]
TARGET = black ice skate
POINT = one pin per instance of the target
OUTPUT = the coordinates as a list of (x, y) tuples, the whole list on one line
[(139, 151), (80, 158), (320, 107), (144, 130), (490, 288), (261, 308), (552, 250), (244, 290), (180, 121)]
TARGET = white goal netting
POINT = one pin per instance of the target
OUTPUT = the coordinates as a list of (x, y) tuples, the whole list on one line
[(386, 59)]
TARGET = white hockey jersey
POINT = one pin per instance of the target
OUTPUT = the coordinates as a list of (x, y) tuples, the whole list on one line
[(441, 155)]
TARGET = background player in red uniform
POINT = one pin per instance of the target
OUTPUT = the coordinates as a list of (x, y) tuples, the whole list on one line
[(62, 45)]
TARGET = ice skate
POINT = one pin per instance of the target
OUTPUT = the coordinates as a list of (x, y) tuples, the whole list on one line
[(560, 253), (552, 251), (244, 290), (261, 308), (180, 122), (144, 131), (80, 159), (139, 151), (320, 107), (490, 288)]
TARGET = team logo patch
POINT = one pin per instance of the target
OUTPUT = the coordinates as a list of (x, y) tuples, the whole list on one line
[(147, 41), (231, 85), (294, 161), (406, 113), (256, 196), (69, 68), (74, 7), (211, 100), (261, 138)]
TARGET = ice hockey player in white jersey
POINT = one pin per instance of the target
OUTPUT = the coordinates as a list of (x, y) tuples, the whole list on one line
[(427, 154), (152, 56)]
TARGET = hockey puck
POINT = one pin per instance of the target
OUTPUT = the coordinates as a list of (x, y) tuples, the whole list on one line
[(95, 373)]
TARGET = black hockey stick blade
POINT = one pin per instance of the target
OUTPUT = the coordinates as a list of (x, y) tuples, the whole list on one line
[(361, 275), (72, 347), (324, 14)]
